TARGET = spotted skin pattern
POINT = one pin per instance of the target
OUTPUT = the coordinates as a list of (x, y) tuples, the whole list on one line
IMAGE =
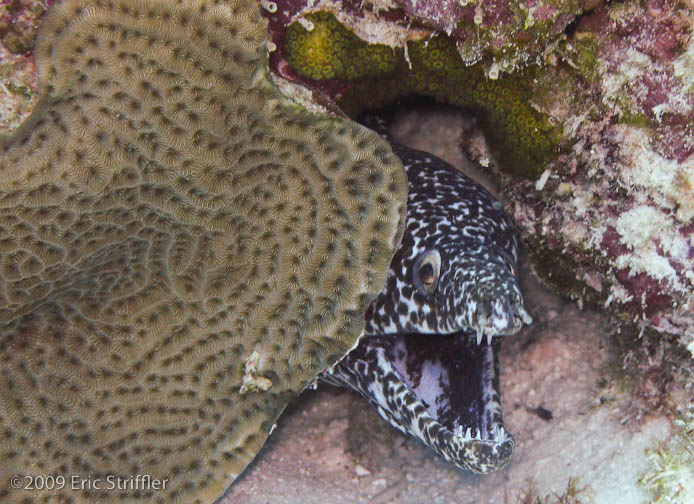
[(451, 213), (428, 359)]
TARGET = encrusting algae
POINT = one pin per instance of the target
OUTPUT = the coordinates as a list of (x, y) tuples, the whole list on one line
[(168, 222)]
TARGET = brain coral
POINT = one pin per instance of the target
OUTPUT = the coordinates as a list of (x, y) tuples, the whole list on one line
[(181, 250)]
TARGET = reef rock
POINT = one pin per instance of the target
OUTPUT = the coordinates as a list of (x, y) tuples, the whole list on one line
[(589, 127), (612, 219), (19, 20), (503, 35)]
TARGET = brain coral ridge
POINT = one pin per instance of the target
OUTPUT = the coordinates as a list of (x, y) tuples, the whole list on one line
[(181, 250)]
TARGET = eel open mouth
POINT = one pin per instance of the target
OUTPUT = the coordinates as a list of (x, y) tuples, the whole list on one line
[(443, 389)]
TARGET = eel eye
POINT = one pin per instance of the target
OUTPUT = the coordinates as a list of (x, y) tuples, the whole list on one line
[(426, 272)]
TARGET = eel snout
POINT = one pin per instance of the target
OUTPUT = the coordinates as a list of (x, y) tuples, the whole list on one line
[(494, 307)]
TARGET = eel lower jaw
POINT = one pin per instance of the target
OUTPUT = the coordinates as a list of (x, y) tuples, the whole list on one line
[(442, 389)]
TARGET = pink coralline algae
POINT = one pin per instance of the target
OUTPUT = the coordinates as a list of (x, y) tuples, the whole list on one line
[(19, 20), (507, 32), (618, 209)]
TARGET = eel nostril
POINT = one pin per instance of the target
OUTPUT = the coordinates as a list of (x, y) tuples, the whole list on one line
[(508, 309), (483, 311)]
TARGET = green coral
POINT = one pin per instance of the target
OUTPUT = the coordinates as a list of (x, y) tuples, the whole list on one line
[(523, 139), (323, 52)]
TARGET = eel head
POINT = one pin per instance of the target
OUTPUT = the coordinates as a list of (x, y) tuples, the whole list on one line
[(424, 361), (435, 376)]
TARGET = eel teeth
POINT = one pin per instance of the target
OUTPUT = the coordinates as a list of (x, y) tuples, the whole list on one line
[(499, 434), (525, 316), (468, 434), (480, 337)]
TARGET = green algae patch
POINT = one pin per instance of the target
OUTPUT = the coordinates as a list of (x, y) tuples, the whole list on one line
[(523, 140), (671, 473), (327, 50), (585, 56)]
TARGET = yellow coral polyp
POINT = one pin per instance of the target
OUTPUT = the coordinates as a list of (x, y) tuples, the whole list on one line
[(323, 51), (328, 52), (523, 139)]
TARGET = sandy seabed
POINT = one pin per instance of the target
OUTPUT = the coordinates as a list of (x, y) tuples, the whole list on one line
[(330, 446)]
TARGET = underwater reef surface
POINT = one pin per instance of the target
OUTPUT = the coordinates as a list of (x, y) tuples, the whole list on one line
[(588, 124), (18, 88), (602, 203), (19, 21), (572, 418)]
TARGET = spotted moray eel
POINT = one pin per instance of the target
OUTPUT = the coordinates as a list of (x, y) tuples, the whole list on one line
[(428, 358)]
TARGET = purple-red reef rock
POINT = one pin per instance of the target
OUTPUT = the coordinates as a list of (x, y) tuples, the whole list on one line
[(612, 221)]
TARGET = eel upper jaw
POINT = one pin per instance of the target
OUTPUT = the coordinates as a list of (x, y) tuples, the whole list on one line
[(443, 389), (494, 308)]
